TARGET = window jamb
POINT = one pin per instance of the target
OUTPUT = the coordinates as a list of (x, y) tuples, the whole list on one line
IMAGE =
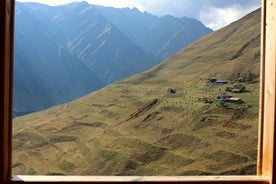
[(269, 99), (6, 75)]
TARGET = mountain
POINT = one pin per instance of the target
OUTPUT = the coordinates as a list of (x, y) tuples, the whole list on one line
[(45, 72), (65, 52), (160, 36), (165, 121), (98, 43)]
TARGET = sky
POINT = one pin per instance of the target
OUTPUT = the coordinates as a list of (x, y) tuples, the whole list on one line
[(213, 13)]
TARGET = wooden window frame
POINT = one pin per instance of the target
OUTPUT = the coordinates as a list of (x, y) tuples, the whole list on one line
[(266, 147)]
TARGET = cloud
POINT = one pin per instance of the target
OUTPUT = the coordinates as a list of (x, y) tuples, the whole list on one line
[(217, 17), (213, 13), (178, 8)]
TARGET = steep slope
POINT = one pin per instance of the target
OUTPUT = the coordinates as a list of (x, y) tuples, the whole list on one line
[(64, 52), (166, 121), (161, 36), (99, 44), (45, 73)]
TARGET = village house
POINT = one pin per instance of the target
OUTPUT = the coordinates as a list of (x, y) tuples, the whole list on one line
[(229, 99), (233, 100), (217, 81)]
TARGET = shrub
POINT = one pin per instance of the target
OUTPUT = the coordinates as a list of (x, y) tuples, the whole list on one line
[(247, 76)]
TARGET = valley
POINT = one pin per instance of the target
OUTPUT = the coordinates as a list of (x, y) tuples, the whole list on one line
[(164, 121)]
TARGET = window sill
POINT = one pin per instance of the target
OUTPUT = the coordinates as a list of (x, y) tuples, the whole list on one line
[(150, 179)]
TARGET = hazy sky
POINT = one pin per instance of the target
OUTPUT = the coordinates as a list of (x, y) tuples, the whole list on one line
[(213, 13)]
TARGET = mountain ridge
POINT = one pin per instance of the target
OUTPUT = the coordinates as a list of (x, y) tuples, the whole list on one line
[(171, 38)]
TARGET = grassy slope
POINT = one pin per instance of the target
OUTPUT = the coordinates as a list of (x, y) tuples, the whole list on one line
[(134, 127)]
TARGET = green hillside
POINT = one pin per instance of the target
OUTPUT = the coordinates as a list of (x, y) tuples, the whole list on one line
[(166, 121)]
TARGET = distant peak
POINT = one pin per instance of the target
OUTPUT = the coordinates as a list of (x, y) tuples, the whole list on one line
[(136, 9), (79, 3), (83, 3), (169, 17)]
